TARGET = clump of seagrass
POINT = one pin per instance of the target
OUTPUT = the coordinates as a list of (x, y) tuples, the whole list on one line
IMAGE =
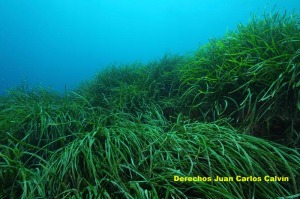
[(251, 76), (132, 87), (131, 159)]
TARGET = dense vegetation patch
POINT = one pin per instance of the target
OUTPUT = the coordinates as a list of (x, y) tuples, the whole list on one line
[(131, 129), (251, 75)]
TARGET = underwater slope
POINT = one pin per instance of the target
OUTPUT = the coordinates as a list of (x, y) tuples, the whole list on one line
[(181, 127)]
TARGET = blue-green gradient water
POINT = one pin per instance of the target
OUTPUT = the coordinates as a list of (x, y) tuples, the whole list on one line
[(53, 43)]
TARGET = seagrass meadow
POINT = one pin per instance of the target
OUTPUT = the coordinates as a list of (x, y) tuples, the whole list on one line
[(168, 128)]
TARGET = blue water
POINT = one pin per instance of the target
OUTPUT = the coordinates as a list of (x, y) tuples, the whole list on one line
[(53, 43)]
